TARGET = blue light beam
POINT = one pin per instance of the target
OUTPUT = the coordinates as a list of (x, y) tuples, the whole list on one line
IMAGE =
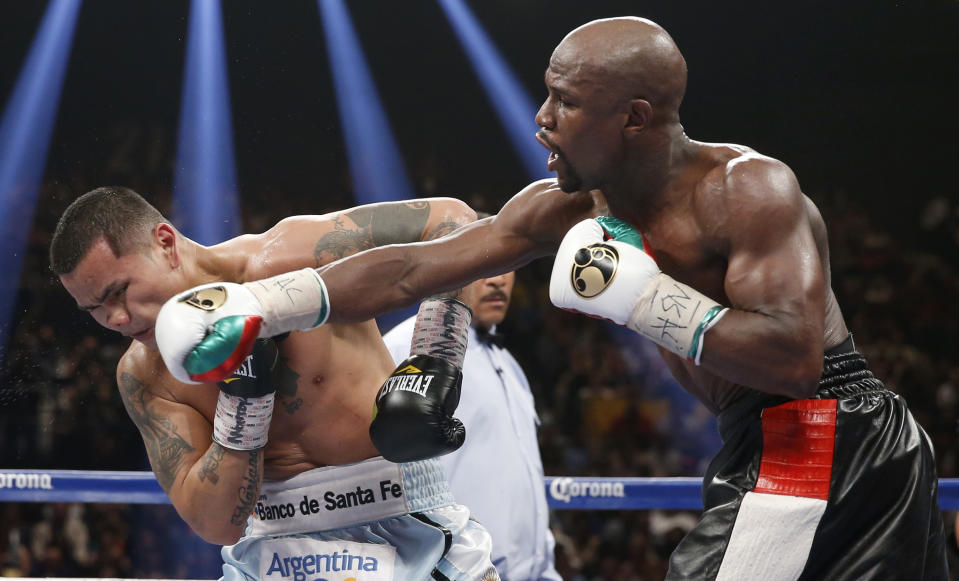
[(514, 107), (376, 165), (25, 133), (205, 205)]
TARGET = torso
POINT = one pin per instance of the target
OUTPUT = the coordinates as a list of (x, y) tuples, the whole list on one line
[(326, 379), (685, 248)]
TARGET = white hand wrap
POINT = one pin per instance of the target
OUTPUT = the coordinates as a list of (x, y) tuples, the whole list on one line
[(675, 316), (242, 423), (293, 301)]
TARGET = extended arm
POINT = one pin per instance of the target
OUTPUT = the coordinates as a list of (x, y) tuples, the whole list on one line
[(196, 343), (312, 241), (385, 279)]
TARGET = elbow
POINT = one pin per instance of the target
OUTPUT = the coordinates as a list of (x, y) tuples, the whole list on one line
[(210, 525), (802, 376), (459, 212), (217, 535)]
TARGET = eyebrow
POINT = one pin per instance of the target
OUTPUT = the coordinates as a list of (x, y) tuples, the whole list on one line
[(98, 300)]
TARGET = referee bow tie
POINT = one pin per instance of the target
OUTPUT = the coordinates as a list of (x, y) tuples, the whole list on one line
[(493, 338)]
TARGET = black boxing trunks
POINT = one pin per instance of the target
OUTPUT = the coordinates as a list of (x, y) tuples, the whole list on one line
[(841, 486)]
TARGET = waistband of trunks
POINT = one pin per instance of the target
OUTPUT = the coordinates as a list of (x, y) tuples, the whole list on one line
[(335, 497), (845, 374)]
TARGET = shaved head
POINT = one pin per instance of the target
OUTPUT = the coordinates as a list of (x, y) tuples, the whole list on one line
[(631, 57)]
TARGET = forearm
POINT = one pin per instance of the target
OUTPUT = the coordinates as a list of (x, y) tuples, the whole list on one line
[(778, 354), (387, 279), (219, 492)]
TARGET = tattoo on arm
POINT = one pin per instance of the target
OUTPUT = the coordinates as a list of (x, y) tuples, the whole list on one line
[(250, 491), (165, 447), (442, 229), (373, 226), (211, 461)]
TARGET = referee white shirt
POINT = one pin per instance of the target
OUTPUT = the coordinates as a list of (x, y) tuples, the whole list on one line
[(498, 473)]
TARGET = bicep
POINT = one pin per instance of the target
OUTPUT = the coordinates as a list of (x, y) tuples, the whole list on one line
[(773, 262), (175, 435), (313, 241)]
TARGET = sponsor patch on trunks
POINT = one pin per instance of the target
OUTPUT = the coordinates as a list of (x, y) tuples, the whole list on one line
[(314, 560)]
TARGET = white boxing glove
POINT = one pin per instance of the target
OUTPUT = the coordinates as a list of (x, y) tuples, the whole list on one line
[(590, 275), (603, 269), (205, 333)]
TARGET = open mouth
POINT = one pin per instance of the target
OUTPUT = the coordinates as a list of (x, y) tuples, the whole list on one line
[(554, 155)]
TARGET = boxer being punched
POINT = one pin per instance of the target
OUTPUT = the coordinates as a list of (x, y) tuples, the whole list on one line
[(719, 258), (286, 436)]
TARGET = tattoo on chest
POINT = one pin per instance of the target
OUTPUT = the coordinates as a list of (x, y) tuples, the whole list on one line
[(286, 381), (165, 447), (368, 227)]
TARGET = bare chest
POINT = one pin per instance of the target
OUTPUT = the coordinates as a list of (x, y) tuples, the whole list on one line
[(326, 381), (684, 253)]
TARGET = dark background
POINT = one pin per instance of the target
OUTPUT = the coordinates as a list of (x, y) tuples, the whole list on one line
[(853, 95)]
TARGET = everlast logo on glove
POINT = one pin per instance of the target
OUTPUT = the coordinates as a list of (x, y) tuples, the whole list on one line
[(410, 378), (594, 267), (413, 412)]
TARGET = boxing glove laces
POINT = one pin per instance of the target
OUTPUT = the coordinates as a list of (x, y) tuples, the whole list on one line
[(206, 332), (604, 269)]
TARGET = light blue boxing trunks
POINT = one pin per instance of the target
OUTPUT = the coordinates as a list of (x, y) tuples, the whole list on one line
[(369, 521)]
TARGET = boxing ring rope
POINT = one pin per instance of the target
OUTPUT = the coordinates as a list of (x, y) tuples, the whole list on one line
[(562, 492)]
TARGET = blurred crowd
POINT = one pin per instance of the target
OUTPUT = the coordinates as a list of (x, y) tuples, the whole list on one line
[(607, 404)]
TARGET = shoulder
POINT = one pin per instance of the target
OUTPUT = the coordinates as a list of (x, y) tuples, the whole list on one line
[(747, 185), (142, 369), (751, 176)]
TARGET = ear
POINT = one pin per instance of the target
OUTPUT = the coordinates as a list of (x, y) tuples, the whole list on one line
[(639, 114), (164, 236)]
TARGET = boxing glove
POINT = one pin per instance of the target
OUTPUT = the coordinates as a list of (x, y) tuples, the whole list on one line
[(413, 411), (413, 415), (245, 406), (604, 269), (206, 332)]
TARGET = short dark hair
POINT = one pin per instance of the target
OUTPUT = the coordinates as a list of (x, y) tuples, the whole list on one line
[(118, 214)]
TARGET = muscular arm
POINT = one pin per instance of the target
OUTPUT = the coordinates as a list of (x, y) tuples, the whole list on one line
[(772, 338), (384, 279), (303, 241), (212, 488)]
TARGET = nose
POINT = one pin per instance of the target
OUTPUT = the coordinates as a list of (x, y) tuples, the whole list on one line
[(117, 317), (544, 117), (496, 281)]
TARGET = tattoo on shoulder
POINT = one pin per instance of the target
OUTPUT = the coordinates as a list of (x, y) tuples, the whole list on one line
[(165, 447), (249, 491), (378, 225)]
